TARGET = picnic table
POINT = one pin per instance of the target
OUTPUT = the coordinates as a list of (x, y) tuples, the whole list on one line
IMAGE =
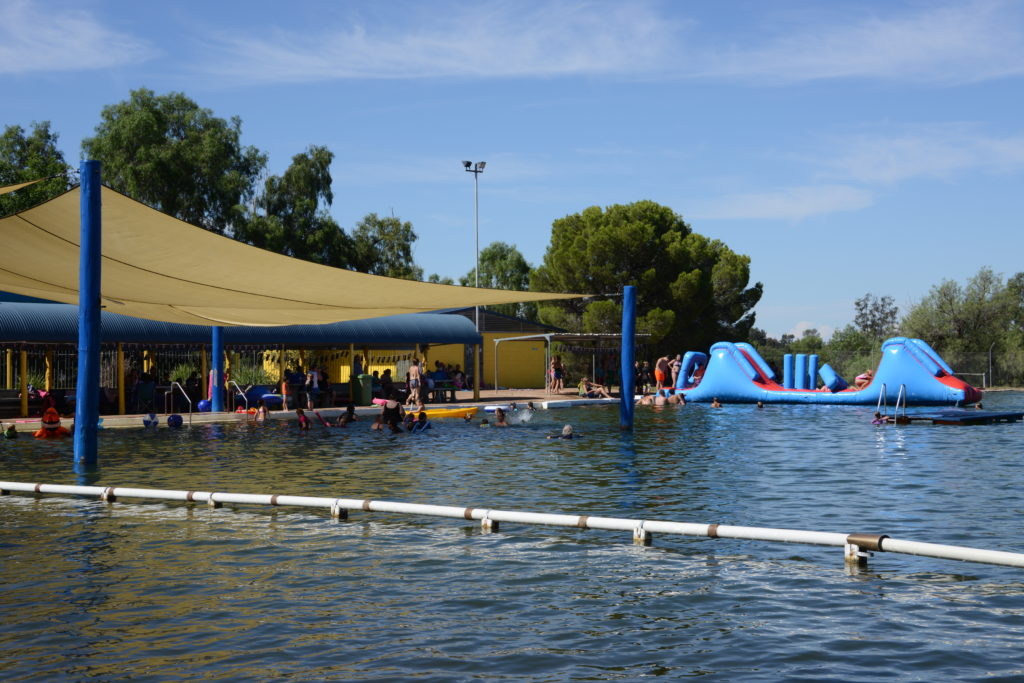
[(444, 390)]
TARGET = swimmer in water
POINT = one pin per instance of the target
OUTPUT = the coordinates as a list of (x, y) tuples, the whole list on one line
[(11, 432), (880, 419), (529, 406), (567, 433), (348, 416), (261, 412), (421, 424), (303, 420), (499, 418), (485, 423), (715, 403)]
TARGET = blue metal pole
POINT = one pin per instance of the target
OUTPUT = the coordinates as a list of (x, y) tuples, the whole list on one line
[(217, 395), (628, 357), (87, 390)]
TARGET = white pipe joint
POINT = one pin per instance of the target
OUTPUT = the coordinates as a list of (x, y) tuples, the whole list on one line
[(641, 536), (487, 524)]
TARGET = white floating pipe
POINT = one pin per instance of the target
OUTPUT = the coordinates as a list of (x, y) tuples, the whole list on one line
[(952, 552), (640, 527)]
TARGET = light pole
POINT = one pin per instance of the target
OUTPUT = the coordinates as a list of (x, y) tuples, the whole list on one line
[(476, 169)]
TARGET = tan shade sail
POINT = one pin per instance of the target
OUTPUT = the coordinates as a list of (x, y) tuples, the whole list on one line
[(12, 188), (157, 267)]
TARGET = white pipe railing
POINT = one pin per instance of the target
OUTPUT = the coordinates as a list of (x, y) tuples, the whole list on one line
[(175, 384), (856, 545), (239, 392)]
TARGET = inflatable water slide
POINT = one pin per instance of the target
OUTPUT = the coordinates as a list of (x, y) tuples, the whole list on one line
[(736, 373)]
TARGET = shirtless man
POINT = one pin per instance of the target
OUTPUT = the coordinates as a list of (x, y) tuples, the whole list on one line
[(415, 380), (661, 372)]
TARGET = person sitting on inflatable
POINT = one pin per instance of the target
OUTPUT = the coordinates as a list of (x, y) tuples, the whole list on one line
[(51, 428), (863, 379)]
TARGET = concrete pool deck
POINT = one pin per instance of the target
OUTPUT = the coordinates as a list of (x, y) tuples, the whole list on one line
[(464, 399)]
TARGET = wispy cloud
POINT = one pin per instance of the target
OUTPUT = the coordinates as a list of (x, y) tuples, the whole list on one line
[(928, 152), (928, 43), (956, 43), (34, 40), (469, 40), (792, 204)]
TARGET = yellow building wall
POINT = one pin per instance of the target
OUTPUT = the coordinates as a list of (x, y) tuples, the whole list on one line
[(521, 364)]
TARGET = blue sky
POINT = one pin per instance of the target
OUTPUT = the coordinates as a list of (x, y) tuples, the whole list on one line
[(845, 147)]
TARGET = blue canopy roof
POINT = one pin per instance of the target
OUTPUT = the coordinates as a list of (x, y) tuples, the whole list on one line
[(58, 323)]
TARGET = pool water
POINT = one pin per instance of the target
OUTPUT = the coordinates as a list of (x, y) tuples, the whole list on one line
[(154, 591)]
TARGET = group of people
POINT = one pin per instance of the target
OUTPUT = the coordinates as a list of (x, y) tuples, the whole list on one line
[(586, 387), (663, 375)]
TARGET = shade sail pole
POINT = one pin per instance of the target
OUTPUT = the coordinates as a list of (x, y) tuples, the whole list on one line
[(628, 356), (217, 383), (88, 387)]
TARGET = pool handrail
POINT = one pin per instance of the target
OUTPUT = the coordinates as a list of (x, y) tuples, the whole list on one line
[(238, 391), (183, 393)]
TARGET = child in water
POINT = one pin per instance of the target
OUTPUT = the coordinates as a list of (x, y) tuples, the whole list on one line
[(261, 412), (303, 420), (348, 416), (499, 418), (422, 423), (11, 432)]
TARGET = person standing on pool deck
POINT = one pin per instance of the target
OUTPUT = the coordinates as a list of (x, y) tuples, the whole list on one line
[(415, 380), (312, 387), (675, 365), (661, 372)]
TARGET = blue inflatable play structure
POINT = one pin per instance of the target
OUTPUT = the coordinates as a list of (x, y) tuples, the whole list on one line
[(736, 373)]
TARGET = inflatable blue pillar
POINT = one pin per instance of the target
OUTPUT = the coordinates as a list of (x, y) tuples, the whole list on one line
[(628, 357), (217, 353), (800, 374), (87, 390), (787, 371), (812, 371)]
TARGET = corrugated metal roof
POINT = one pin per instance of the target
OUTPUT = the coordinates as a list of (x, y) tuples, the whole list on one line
[(58, 323), (498, 322)]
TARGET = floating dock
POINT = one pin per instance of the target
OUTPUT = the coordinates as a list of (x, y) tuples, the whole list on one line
[(961, 417)]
